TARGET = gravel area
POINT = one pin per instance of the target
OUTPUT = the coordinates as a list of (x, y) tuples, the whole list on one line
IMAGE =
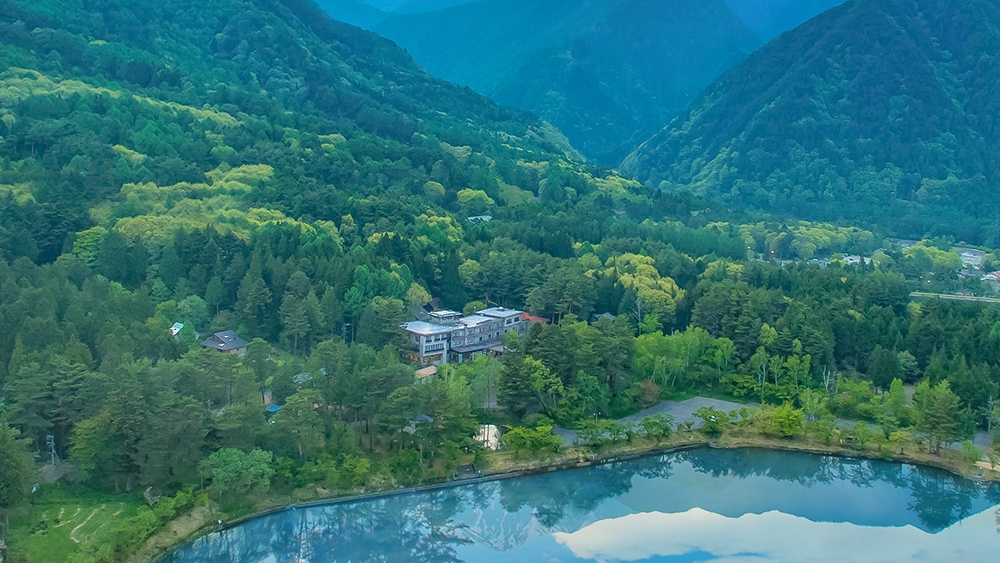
[(682, 411)]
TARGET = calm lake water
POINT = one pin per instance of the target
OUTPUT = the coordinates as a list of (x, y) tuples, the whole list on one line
[(746, 506)]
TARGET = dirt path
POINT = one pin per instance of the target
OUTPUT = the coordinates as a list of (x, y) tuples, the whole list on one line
[(72, 534)]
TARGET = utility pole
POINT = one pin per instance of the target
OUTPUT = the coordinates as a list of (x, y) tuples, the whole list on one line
[(50, 441), (989, 415)]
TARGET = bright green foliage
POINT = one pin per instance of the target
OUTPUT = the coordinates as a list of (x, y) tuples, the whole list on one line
[(546, 386), (787, 420), (863, 435), (814, 403), (714, 421), (234, 472), (595, 433), (970, 452), (683, 359), (936, 409), (657, 426), (433, 417), (532, 440), (379, 324), (16, 471), (299, 422)]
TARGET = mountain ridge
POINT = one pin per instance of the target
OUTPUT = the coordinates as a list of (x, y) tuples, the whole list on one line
[(871, 111)]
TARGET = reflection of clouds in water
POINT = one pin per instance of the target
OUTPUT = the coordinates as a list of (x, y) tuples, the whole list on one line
[(775, 537)]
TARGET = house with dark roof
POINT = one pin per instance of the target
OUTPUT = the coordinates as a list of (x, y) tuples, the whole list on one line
[(227, 342)]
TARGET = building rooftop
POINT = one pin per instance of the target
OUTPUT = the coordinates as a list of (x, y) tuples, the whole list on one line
[(427, 372), (477, 347), (424, 328), (444, 316), (475, 320), (499, 313), (225, 341), (445, 313)]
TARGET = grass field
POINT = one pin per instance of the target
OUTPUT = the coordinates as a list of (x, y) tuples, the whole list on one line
[(61, 519)]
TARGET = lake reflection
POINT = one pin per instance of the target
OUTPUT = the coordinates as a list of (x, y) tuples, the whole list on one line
[(703, 505)]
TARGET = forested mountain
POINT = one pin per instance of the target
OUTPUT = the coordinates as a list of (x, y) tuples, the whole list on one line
[(100, 97), (882, 111), (606, 73), (771, 18)]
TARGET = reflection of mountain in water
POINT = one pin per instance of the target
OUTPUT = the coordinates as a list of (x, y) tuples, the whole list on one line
[(518, 510), (499, 520), (495, 527), (647, 535), (825, 489)]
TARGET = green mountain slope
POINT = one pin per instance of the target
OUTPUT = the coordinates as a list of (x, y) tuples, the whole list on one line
[(880, 110), (101, 96), (606, 73)]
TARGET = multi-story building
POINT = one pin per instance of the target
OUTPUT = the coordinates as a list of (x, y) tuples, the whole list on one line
[(429, 342), (448, 336)]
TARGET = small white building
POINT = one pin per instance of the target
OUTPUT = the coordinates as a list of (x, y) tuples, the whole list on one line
[(489, 437)]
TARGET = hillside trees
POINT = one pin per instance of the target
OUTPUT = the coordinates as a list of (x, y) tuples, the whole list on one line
[(936, 409), (16, 471)]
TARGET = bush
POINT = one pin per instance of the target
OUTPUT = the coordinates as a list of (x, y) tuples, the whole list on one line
[(970, 452), (715, 421), (787, 420), (657, 426), (405, 467), (236, 473)]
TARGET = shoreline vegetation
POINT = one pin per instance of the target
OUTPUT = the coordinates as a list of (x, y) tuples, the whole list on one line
[(504, 465)]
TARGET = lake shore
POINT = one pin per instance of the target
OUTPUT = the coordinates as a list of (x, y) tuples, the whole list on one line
[(502, 466)]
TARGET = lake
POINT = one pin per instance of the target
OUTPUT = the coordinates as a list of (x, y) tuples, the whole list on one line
[(746, 506)]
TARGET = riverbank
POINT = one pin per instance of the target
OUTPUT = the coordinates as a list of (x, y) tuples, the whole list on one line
[(504, 465)]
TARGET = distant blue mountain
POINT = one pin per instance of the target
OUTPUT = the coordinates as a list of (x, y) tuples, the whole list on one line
[(421, 6), (608, 73), (354, 12), (409, 6), (771, 18)]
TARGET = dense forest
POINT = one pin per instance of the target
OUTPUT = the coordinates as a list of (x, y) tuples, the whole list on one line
[(879, 112), (257, 167)]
